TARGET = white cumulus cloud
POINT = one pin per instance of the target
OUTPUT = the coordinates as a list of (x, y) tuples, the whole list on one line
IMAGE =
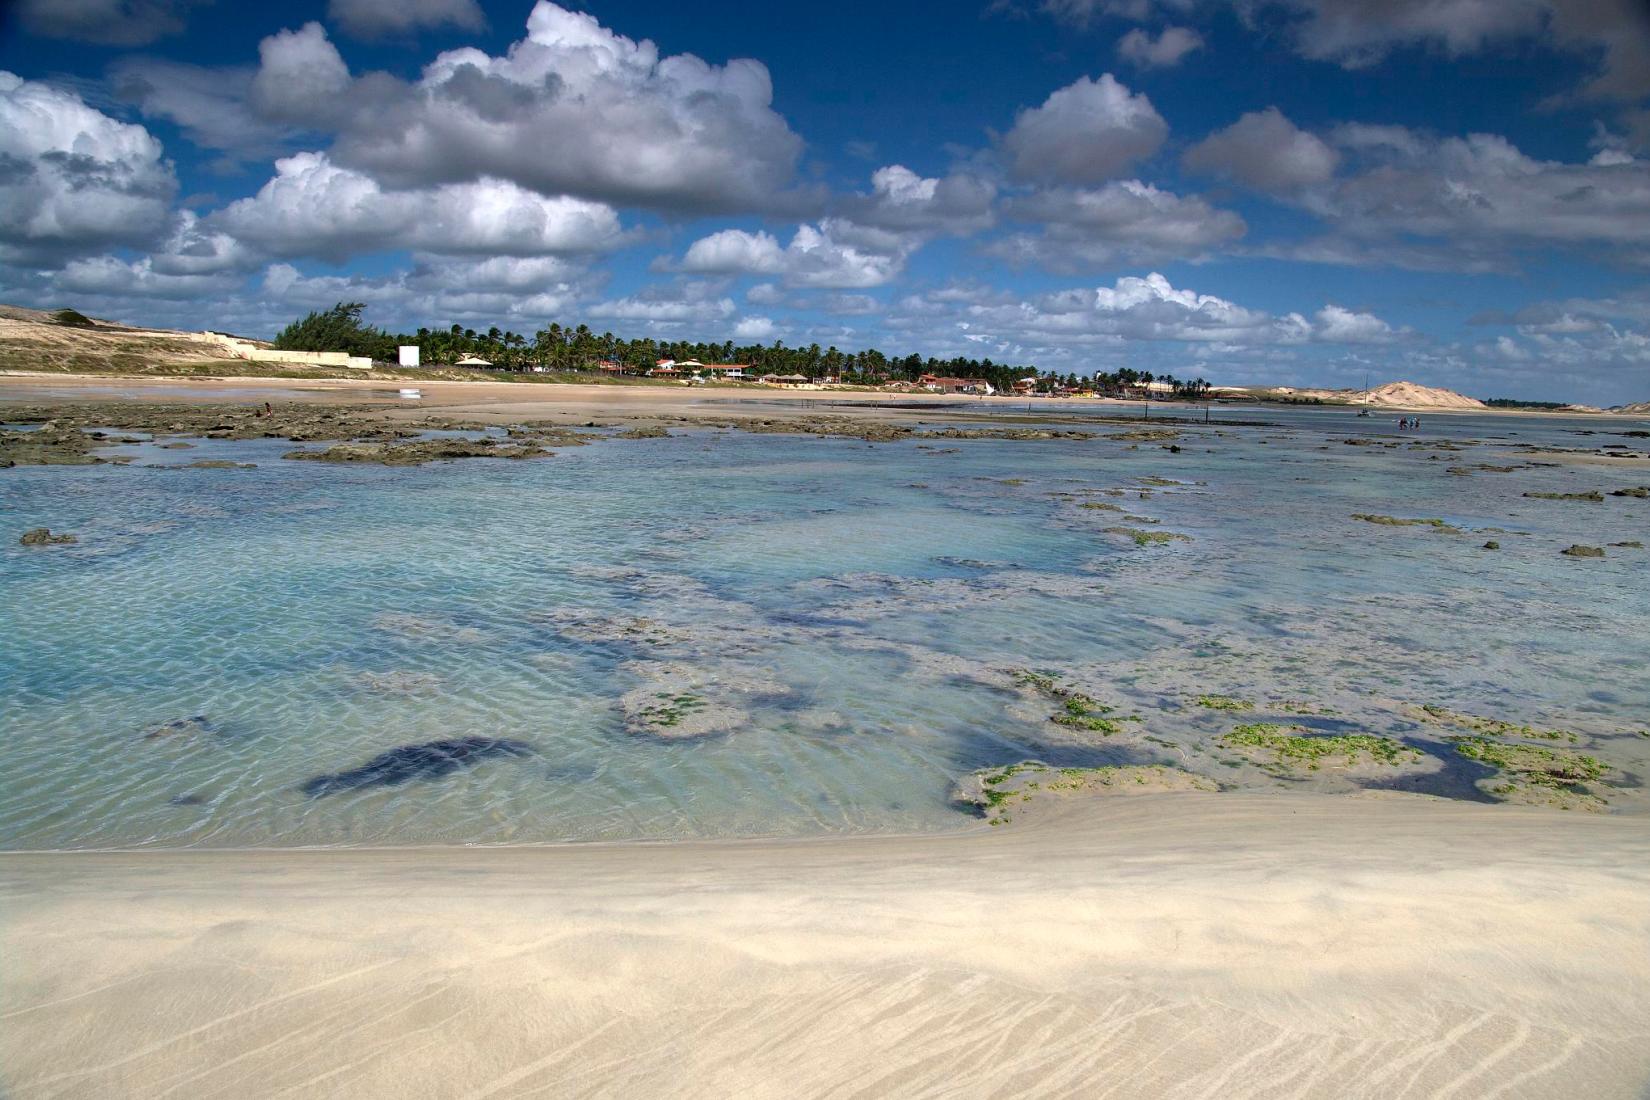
[(72, 179), (573, 108), (1088, 132), (1086, 227), (1164, 51), (313, 207), (833, 254), (1266, 151)]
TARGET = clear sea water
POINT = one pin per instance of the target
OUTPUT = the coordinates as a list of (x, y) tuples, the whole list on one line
[(849, 614)]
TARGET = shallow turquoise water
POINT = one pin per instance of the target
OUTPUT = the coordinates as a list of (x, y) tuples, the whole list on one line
[(849, 612)]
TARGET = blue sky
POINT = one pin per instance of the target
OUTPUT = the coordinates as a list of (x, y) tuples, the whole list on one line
[(1286, 191)]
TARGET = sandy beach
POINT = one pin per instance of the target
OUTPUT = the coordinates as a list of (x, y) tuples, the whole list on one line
[(563, 403), (1177, 945)]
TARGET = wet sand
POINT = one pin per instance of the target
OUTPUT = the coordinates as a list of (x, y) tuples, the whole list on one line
[(1215, 945)]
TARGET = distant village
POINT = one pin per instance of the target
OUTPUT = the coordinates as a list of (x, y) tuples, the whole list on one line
[(340, 337), (694, 373)]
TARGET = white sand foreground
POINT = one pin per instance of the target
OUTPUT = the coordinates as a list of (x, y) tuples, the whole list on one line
[(1219, 946)]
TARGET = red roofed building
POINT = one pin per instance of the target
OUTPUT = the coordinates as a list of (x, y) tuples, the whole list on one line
[(939, 384)]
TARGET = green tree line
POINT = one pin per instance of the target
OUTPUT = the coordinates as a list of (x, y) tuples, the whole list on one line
[(576, 348)]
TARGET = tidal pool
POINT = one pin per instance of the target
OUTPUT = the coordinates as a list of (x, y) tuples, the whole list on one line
[(724, 634)]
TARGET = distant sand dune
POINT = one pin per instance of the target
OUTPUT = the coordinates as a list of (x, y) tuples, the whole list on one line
[(1411, 395), (1215, 946)]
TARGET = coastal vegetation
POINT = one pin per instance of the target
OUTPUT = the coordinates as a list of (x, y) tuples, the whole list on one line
[(573, 349), (1520, 403), (72, 318), (576, 348)]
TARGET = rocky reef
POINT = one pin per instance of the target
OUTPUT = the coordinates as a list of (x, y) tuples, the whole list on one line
[(1001, 795), (42, 536)]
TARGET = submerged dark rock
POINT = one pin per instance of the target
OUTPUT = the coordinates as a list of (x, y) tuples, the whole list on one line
[(1591, 496), (182, 727), (431, 760), (42, 536), (1580, 551), (416, 454)]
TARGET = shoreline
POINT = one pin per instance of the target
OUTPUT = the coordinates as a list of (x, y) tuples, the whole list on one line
[(582, 396), (1380, 945)]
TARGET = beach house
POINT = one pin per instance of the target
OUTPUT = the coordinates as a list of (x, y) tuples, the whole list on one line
[(935, 383)]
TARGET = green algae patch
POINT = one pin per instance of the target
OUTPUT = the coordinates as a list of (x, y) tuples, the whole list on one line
[(670, 710), (1081, 712), (1044, 682), (1100, 506), (1223, 702), (1297, 706), (1399, 521), (1492, 727), (1579, 551), (1149, 538), (1532, 763), (1537, 775), (1001, 794), (1077, 710), (1296, 746)]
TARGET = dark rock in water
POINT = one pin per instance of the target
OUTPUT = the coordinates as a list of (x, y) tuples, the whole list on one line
[(42, 536), (1640, 491), (1591, 496), (182, 727), (422, 451), (1580, 551), (186, 800), (1492, 545), (431, 760), (1631, 544)]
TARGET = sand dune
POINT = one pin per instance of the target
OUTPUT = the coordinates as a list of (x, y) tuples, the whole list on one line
[(1176, 945), (1411, 395)]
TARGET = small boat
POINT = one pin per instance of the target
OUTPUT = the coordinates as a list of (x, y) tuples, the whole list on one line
[(411, 393)]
